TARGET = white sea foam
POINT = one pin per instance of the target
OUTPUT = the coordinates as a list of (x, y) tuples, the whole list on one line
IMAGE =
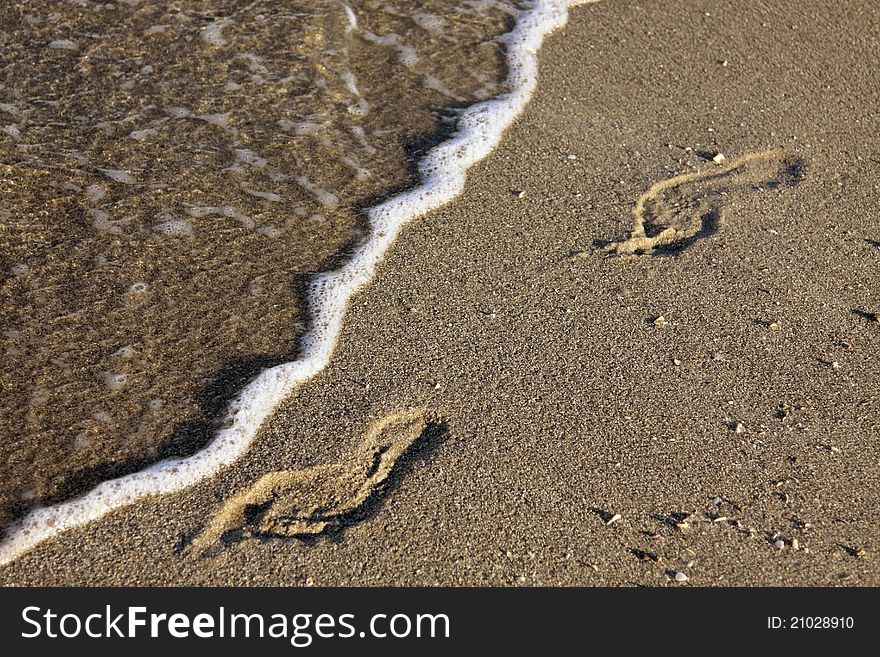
[(406, 54), (104, 223), (220, 120), (114, 380), (175, 228), (430, 22), (140, 135), (352, 18), (213, 33), (325, 198), (480, 128), (267, 196), (119, 176), (63, 44), (198, 211), (94, 193)]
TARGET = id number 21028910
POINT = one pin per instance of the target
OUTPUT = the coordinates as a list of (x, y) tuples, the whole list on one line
[(810, 623)]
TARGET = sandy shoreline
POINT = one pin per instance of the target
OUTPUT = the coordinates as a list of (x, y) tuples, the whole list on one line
[(563, 402), (160, 220)]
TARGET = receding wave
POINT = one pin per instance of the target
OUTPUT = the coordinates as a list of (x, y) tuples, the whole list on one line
[(173, 193)]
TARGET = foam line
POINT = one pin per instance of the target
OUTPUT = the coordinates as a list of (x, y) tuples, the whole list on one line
[(442, 174)]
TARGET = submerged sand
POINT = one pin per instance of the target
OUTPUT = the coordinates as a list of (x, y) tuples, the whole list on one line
[(709, 409)]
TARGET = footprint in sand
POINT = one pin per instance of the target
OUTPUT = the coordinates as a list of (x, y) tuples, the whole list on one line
[(305, 502), (676, 212)]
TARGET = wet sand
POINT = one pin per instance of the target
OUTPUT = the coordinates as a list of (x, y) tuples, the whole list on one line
[(709, 408), (169, 174)]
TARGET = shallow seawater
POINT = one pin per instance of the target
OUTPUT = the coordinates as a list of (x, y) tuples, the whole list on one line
[(169, 174)]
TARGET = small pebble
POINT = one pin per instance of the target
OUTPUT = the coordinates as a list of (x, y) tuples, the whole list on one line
[(718, 158), (738, 427), (773, 326), (795, 545), (680, 577), (660, 321), (779, 544), (613, 519)]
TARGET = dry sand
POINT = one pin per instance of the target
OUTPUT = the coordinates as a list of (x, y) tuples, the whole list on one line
[(742, 421)]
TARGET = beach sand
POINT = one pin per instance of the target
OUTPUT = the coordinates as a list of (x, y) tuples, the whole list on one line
[(166, 190), (710, 408)]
